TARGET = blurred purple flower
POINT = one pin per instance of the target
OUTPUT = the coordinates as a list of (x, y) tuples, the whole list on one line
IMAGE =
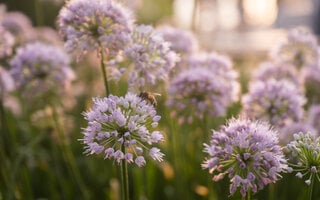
[(287, 132), (117, 122), (19, 25), (248, 153), (300, 49), (151, 56), (278, 102), (87, 25), (207, 85), (278, 71), (200, 91), (182, 41), (39, 69)]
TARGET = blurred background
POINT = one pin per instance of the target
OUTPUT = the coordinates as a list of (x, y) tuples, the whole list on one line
[(224, 25)]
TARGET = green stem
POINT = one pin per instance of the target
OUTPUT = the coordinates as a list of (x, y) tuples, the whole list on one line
[(271, 191), (104, 71), (67, 154), (311, 186), (38, 13), (124, 176), (249, 195)]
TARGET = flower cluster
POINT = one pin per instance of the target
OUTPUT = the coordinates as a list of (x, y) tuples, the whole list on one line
[(305, 153), (88, 25), (39, 69), (300, 49), (248, 153), (121, 128), (199, 91), (278, 71), (278, 102), (151, 56), (19, 25), (208, 85), (182, 41)]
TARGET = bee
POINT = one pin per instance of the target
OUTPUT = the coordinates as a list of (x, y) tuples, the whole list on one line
[(149, 97)]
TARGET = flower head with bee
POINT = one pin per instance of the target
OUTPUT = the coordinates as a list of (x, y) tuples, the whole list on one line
[(123, 128)]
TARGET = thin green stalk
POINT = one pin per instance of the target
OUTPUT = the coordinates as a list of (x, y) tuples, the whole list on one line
[(18, 162), (38, 13), (249, 195), (311, 186), (67, 154), (124, 176), (271, 191), (104, 71)]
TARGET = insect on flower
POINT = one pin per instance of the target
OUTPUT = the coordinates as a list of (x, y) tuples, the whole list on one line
[(149, 97)]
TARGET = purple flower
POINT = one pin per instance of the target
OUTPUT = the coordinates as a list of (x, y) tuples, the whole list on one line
[(182, 41), (287, 132), (151, 56), (6, 43), (278, 71), (248, 153), (304, 153), (40, 69), (6, 82), (278, 102), (117, 123), (300, 49), (87, 25), (201, 90), (19, 25)]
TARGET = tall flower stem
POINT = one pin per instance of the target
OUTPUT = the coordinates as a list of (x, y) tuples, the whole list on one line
[(124, 176), (38, 12), (271, 191), (249, 195), (311, 186), (104, 71), (67, 154)]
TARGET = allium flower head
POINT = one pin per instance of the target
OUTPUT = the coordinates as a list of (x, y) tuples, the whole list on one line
[(19, 25), (151, 56), (6, 81), (6, 43), (39, 69), (305, 156), (86, 25), (182, 41), (248, 153), (200, 91), (117, 122), (300, 49), (278, 102), (278, 71)]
